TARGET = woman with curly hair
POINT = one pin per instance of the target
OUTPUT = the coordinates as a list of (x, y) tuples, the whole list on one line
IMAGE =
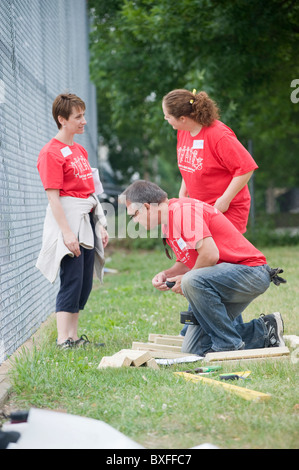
[(214, 165)]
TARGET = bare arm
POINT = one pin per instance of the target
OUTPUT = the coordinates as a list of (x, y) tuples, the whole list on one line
[(183, 190), (178, 269), (235, 186), (69, 238), (208, 253)]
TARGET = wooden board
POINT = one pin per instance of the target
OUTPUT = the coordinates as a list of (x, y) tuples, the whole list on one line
[(137, 357), (110, 361), (169, 341), (245, 393), (152, 337), (152, 364), (156, 353), (126, 358), (246, 354), (159, 353), (155, 347)]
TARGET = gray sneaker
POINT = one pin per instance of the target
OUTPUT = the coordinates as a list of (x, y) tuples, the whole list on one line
[(274, 324)]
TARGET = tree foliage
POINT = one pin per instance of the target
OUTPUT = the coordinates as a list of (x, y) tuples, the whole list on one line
[(244, 54)]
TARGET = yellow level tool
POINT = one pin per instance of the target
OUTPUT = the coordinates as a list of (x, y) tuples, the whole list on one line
[(245, 393)]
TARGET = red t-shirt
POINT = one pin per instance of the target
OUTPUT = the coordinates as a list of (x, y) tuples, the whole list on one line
[(191, 220), (66, 167), (209, 161)]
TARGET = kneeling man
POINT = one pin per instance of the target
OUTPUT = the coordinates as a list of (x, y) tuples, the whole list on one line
[(217, 269)]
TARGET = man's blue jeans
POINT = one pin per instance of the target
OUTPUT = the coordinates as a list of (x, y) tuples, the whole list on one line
[(217, 296)]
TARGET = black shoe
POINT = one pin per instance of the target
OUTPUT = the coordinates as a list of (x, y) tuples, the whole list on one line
[(67, 344), (82, 341), (274, 324)]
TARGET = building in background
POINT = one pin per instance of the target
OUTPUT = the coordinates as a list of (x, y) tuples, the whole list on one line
[(43, 52)]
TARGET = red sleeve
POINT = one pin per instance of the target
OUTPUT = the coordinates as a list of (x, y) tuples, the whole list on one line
[(234, 156), (50, 167), (189, 224)]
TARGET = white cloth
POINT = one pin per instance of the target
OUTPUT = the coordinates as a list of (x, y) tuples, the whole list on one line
[(77, 213), (97, 182)]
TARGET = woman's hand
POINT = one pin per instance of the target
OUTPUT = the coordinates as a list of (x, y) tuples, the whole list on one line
[(104, 236), (234, 187), (222, 204), (72, 243)]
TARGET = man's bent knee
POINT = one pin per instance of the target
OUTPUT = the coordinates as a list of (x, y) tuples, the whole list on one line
[(192, 280)]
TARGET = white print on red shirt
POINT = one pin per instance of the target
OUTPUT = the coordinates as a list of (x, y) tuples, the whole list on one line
[(190, 156), (81, 167)]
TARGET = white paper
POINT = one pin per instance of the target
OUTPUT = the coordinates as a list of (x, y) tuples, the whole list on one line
[(178, 360), (198, 144), (66, 151)]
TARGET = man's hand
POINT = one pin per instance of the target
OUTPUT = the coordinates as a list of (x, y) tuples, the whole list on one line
[(177, 287), (159, 281)]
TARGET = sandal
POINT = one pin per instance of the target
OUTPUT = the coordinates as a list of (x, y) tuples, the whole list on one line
[(68, 344), (82, 341)]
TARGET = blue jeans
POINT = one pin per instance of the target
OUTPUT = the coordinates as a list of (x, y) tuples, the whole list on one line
[(217, 296)]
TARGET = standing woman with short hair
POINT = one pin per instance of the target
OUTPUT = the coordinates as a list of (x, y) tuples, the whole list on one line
[(74, 235), (214, 165)]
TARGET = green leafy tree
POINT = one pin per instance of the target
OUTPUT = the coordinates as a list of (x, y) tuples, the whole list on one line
[(244, 54)]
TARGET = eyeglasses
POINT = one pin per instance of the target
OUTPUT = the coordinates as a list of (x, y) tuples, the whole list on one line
[(141, 206), (166, 249), (132, 216)]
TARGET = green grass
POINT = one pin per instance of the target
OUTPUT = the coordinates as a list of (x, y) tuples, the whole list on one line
[(156, 408)]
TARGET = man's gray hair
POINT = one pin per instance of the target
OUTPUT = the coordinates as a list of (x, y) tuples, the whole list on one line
[(143, 192)]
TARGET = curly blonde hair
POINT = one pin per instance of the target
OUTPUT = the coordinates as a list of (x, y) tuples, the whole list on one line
[(199, 107)]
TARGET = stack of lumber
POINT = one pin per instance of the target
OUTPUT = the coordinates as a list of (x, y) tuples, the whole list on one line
[(162, 346), (169, 347), (129, 358)]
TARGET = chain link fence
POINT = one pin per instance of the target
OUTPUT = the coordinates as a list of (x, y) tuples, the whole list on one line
[(43, 52)]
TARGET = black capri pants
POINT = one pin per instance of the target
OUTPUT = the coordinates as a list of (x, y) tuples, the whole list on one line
[(76, 278)]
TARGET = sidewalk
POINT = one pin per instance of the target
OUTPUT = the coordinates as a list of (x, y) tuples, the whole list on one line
[(5, 367), (4, 384)]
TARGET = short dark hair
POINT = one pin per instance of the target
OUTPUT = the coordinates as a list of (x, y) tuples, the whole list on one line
[(143, 191), (63, 106)]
